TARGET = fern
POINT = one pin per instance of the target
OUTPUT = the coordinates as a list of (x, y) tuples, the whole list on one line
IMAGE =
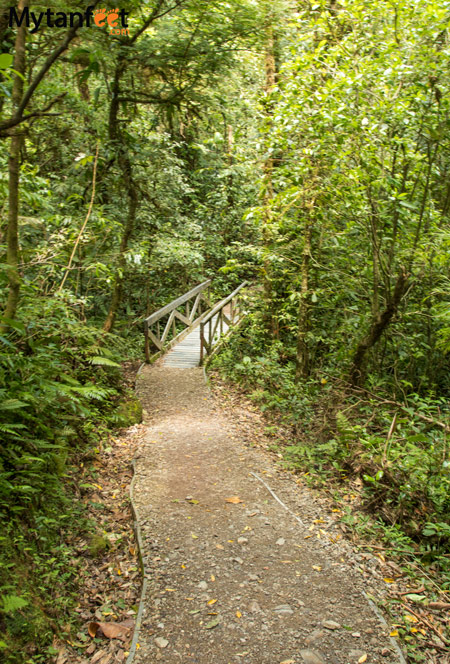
[(103, 361), (12, 603), (12, 404), (89, 391)]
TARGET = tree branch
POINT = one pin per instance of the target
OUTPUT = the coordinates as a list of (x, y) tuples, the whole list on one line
[(17, 118)]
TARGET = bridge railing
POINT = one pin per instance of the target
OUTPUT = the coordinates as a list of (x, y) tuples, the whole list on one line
[(228, 312), (160, 328)]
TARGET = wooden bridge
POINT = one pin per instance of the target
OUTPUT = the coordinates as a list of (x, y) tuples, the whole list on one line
[(188, 330)]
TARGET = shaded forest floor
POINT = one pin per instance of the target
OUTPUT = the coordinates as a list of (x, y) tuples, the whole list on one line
[(242, 580)]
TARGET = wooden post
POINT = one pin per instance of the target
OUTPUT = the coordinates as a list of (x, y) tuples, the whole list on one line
[(202, 339), (147, 344)]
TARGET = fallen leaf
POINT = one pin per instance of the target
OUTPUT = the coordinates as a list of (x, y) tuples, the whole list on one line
[(111, 630), (317, 568), (213, 578), (238, 614), (389, 580), (92, 629), (212, 601), (394, 633), (213, 623), (413, 597), (234, 500), (362, 659), (410, 618)]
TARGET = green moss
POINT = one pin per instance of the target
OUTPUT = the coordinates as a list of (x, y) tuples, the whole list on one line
[(98, 545), (129, 412)]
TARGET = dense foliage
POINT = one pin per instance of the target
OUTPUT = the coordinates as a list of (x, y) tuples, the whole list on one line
[(349, 339), (123, 180), (303, 146)]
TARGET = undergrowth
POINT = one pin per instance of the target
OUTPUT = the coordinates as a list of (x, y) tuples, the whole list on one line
[(60, 388), (389, 453)]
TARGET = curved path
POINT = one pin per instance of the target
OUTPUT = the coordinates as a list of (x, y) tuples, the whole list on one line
[(240, 581)]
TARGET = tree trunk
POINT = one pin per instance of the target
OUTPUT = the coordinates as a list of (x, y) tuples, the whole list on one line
[(378, 326), (126, 167), (12, 232), (270, 319), (302, 358), (116, 297)]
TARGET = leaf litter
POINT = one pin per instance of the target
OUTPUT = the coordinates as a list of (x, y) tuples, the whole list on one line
[(110, 582)]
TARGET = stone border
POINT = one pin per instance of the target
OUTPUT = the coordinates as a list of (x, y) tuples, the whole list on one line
[(142, 564)]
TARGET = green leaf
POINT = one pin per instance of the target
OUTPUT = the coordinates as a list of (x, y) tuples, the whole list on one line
[(12, 404), (6, 60), (12, 603), (103, 361), (415, 598), (213, 623)]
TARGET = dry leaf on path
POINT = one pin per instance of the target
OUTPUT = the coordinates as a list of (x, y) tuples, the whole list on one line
[(111, 630), (213, 623), (362, 659), (233, 499)]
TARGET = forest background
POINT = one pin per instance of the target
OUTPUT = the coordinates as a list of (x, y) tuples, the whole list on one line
[(303, 146)]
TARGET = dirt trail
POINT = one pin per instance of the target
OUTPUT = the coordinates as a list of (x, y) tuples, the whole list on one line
[(243, 583)]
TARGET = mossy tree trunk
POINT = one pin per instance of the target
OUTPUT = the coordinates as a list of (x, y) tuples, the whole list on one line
[(12, 232)]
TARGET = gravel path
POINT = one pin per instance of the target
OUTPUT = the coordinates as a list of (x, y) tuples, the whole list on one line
[(234, 576)]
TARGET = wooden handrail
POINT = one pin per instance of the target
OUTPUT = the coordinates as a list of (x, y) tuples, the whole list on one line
[(220, 305), (190, 318), (153, 318), (216, 318)]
